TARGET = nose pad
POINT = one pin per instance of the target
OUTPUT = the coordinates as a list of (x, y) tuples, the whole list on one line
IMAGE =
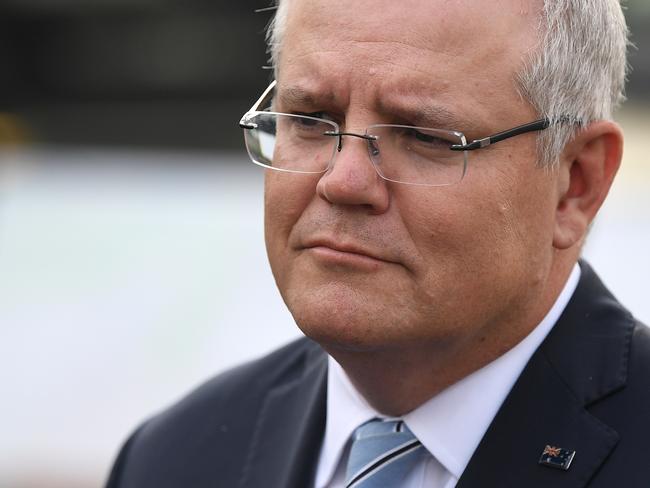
[(373, 149)]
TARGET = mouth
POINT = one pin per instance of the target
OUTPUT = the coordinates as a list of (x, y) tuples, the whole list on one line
[(337, 254)]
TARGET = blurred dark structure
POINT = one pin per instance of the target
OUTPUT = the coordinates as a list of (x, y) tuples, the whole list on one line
[(170, 73), (637, 13), (132, 72)]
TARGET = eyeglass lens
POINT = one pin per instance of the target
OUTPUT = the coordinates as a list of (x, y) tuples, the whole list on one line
[(399, 153)]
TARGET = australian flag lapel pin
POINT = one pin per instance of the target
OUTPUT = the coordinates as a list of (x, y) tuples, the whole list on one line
[(557, 457)]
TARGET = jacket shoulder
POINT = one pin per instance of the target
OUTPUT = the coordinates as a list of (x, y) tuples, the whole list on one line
[(247, 381), (205, 435)]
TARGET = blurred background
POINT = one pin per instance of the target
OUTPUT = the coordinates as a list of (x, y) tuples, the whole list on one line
[(131, 249)]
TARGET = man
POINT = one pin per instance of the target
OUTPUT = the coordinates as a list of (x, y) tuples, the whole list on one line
[(457, 340)]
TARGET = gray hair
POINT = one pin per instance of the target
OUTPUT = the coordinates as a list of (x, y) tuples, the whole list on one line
[(578, 70)]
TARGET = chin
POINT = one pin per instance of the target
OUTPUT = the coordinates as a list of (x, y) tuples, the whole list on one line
[(337, 315)]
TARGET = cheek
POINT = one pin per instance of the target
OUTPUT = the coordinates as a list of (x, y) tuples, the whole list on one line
[(438, 222), (512, 230), (286, 196), (528, 211), (465, 235)]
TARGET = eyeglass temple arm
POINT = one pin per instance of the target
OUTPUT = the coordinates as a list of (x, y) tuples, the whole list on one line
[(540, 124), (265, 97)]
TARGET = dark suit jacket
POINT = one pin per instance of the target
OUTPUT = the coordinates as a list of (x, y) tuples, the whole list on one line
[(586, 389)]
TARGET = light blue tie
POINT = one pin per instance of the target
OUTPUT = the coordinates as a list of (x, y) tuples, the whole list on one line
[(382, 453)]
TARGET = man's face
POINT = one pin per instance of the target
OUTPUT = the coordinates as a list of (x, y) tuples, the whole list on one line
[(366, 264)]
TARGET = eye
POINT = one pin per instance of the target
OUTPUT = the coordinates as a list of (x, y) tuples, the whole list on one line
[(304, 121), (318, 115), (311, 122), (425, 138), (303, 126)]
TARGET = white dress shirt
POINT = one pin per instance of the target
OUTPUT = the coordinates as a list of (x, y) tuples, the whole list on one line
[(450, 425)]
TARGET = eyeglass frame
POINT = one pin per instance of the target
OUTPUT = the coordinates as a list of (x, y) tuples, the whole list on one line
[(535, 126)]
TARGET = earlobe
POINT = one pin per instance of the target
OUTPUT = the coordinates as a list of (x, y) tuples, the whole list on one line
[(587, 169)]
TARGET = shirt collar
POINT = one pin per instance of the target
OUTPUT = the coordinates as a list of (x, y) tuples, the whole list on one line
[(451, 424)]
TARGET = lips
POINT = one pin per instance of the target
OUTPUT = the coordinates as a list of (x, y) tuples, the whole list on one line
[(342, 251)]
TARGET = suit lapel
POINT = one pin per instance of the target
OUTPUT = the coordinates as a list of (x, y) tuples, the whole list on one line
[(289, 431), (583, 360), (540, 411)]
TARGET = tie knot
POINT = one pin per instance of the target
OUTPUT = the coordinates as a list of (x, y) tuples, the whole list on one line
[(389, 428), (382, 453)]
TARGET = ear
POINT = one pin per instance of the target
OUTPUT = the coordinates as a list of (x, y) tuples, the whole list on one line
[(587, 168)]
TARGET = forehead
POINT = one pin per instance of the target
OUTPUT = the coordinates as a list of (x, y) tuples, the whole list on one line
[(411, 49)]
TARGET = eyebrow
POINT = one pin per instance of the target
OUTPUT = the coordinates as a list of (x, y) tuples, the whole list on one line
[(424, 113), (299, 96)]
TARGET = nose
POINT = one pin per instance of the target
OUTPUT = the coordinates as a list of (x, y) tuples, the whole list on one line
[(353, 180)]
